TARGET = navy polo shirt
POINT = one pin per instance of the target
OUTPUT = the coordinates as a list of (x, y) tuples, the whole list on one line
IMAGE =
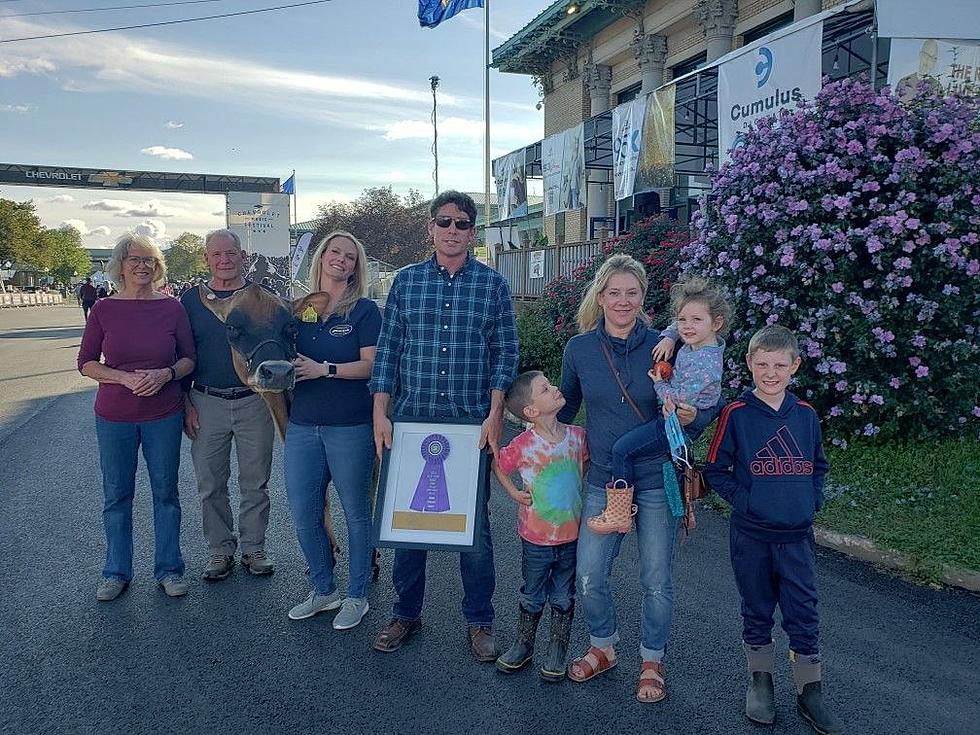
[(339, 339)]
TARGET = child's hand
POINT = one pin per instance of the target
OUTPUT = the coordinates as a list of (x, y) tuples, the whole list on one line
[(664, 349), (668, 406), (654, 376), (521, 496)]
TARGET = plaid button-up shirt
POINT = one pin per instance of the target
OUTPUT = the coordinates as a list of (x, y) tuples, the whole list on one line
[(446, 341)]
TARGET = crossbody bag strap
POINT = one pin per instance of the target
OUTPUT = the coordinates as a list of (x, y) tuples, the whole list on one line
[(619, 382)]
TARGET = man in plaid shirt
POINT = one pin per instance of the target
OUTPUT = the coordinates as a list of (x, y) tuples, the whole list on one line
[(448, 349)]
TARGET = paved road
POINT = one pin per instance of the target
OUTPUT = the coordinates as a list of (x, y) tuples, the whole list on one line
[(901, 658)]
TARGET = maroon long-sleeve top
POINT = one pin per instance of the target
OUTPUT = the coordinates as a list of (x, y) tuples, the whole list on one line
[(136, 334)]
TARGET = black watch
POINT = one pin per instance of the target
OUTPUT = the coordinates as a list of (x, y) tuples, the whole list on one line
[(331, 369)]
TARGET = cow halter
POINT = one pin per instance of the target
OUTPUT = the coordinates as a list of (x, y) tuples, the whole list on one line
[(251, 353)]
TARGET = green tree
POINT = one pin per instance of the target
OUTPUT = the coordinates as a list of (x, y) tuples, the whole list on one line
[(68, 257), (20, 229), (185, 257)]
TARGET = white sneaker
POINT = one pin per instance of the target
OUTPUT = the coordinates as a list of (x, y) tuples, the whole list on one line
[(314, 604), (352, 612)]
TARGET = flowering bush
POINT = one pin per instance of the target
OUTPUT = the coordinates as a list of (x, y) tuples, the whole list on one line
[(853, 220)]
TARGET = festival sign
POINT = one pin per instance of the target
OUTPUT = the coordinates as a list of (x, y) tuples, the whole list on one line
[(655, 167), (511, 183), (765, 77), (933, 65), (627, 131), (261, 222)]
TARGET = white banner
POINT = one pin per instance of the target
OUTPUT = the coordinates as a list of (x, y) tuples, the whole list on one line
[(932, 19), (942, 66), (563, 170), (627, 131), (299, 266), (261, 221), (511, 183), (535, 264), (765, 78)]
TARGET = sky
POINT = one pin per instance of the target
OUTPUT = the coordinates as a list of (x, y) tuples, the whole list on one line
[(339, 92)]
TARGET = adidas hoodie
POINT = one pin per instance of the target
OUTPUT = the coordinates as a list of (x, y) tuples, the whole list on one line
[(769, 465)]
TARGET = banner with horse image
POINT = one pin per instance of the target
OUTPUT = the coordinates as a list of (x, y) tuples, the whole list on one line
[(563, 170), (511, 181), (655, 163), (261, 222)]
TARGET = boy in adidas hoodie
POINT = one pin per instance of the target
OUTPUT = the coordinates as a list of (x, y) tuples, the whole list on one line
[(767, 461)]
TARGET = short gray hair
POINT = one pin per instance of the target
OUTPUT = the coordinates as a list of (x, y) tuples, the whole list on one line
[(223, 233), (121, 250)]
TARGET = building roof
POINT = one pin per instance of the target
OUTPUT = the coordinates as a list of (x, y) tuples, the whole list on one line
[(556, 34)]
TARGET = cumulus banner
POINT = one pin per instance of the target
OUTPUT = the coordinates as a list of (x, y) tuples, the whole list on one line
[(261, 221), (765, 78), (939, 66), (511, 180), (563, 170), (627, 128)]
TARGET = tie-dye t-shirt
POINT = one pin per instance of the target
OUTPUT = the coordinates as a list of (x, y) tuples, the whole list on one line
[(553, 475)]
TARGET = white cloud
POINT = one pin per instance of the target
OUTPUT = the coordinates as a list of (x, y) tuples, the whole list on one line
[(152, 208), (11, 66), (173, 125), (505, 136), (168, 154), (83, 228), (151, 227), (108, 205), (62, 198), (21, 109)]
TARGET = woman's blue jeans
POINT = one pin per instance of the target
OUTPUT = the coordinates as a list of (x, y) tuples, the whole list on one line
[(119, 444), (656, 533), (315, 455)]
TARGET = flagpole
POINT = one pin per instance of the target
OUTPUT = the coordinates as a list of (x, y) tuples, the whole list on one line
[(492, 256), (295, 203)]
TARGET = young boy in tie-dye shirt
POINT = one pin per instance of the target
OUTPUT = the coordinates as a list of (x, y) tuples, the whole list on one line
[(551, 459)]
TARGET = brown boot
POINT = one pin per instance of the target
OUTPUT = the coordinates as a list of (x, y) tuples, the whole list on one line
[(619, 512)]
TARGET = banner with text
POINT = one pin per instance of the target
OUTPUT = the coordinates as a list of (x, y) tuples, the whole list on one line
[(508, 172), (261, 221), (765, 78), (627, 130), (563, 170), (655, 169), (939, 66)]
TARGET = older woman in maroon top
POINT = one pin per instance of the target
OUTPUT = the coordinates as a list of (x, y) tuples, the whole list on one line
[(145, 342)]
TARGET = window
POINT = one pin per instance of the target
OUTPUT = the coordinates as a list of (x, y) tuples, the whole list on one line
[(766, 28), (629, 94)]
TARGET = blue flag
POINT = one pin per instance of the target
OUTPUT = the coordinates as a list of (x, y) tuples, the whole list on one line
[(433, 12), (289, 186)]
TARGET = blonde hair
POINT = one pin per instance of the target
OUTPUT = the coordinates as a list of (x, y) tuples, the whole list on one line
[(119, 253), (589, 310), (774, 338), (701, 291), (357, 283)]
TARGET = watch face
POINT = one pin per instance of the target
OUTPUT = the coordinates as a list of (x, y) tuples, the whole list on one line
[(331, 369)]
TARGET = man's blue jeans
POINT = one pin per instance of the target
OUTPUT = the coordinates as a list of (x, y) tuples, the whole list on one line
[(656, 533), (313, 456), (475, 567), (549, 576), (119, 444)]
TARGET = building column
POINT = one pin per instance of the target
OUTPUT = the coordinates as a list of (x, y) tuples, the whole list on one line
[(717, 18), (805, 8), (650, 52), (599, 79)]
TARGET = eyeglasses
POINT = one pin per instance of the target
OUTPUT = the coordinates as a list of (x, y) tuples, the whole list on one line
[(461, 224), (135, 260)]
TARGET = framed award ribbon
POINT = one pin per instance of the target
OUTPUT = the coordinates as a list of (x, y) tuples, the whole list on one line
[(430, 491)]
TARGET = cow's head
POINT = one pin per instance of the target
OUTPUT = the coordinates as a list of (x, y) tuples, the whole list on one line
[(262, 335)]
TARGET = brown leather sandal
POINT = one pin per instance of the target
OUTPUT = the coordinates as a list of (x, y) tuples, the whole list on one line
[(588, 669), (651, 688)]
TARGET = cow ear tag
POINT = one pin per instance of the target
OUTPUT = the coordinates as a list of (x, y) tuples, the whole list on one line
[(309, 314)]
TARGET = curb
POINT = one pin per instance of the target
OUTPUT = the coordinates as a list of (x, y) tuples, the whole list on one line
[(865, 549)]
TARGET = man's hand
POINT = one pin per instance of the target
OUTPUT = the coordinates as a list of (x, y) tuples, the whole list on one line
[(191, 422), (382, 434), (491, 429), (664, 349)]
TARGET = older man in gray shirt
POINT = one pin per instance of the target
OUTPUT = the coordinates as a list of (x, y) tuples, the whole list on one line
[(219, 408)]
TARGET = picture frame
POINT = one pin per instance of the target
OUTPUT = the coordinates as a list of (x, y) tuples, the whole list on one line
[(432, 485)]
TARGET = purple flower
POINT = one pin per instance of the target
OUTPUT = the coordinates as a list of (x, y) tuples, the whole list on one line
[(976, 411), (857, 398), (895, 383), (841, 385), (837, 287), (875, 398), (836, 411), (915, 361), (921, 371), (918, 341), (838, 367)]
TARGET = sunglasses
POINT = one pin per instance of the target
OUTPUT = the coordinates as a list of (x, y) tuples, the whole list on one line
[(135, 260), (461, 224)]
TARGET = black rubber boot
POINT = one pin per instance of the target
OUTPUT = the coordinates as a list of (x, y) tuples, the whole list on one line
[(760, 705), (555, 661), (520, 654), (814, 710)]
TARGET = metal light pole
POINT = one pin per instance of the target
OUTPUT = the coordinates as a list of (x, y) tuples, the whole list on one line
[(434, 82)]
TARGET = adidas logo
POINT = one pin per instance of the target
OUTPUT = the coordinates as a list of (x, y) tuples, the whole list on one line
[(781, 456)]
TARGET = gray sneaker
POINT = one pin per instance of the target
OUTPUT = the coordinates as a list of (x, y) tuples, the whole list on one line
[(174, 586), (110, 588), (219, 566), (258, 563), (314, 604), (352, 611)]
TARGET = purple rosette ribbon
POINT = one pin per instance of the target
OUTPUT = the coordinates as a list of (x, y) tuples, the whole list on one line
[(431, 494)]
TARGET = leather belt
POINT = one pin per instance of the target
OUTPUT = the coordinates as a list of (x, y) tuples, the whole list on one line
[(229, 394)]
